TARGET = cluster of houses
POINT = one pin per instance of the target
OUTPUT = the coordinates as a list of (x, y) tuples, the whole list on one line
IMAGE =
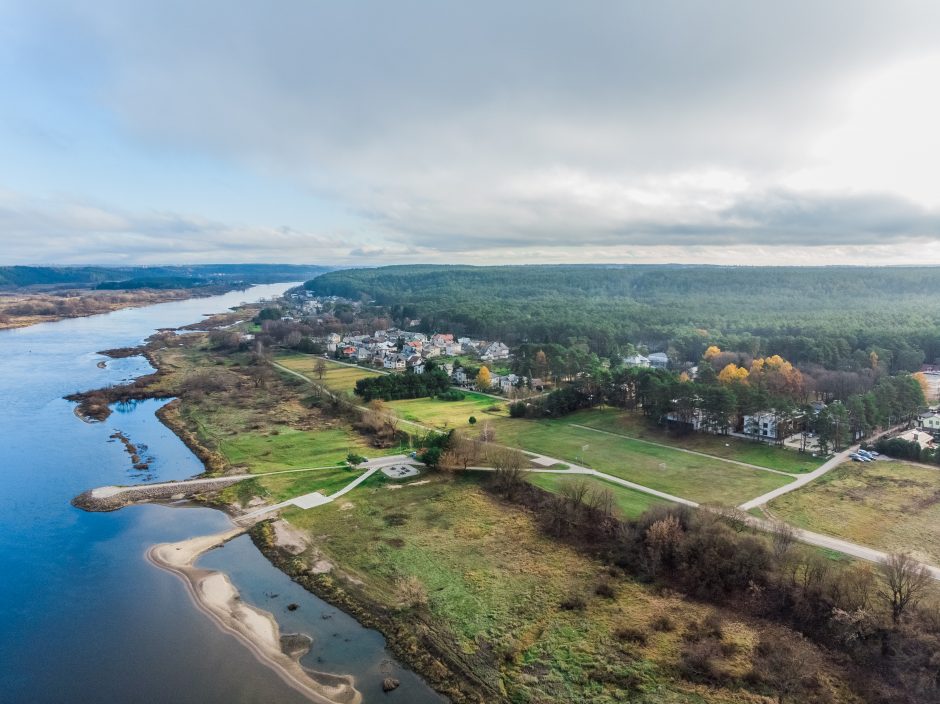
[(398, 350)]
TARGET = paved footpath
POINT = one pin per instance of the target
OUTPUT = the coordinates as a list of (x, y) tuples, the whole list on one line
[(801, 481)]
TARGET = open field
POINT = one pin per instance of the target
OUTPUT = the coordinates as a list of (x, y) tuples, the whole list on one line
[(700, 479), (630, 503), (289, 448), (886, 504), (337, 378), (635, 425), (445, 415), (495, 587)]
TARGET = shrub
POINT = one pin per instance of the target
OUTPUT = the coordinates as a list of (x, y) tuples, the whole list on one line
[(663, 624), (606, 590), (573, 602), (631, 635)]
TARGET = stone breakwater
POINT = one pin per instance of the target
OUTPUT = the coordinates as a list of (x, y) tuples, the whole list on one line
[(111, 498)]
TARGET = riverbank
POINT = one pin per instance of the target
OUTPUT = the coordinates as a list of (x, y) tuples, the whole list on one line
[(19, 309), (214, 594)]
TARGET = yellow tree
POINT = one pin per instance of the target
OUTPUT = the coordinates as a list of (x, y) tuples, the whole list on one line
[(924, 385), (732, 373), (873, 359), (484, 379), (712, 351)]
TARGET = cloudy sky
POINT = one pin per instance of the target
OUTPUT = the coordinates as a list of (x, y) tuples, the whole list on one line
[(387, 132)]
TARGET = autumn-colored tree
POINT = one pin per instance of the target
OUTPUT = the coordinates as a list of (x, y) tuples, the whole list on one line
[(776, 375), (684, 377), (732, 373), (540, 365), (484, 379), (924, 384), (873, 359), (712, 351)]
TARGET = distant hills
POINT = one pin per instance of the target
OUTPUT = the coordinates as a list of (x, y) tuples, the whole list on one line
[(131, 277)]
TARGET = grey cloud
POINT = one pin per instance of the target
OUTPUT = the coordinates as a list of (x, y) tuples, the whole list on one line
[(444, 125)]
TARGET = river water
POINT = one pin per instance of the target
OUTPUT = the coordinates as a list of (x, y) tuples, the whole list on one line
[(84, 617)]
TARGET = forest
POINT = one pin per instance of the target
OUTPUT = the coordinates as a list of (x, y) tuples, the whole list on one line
[(832, 317)]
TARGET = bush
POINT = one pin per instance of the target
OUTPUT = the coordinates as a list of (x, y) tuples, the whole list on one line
[(452, 395), (354, 459), (631, 635), (663, 624), (606, 590), (573, 602)]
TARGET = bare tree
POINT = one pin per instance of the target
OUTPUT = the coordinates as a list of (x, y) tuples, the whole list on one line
[(905, 582), (320, 368), (783, 539)]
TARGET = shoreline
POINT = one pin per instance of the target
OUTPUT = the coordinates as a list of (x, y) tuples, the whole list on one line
[(147, 297), (213, 593)]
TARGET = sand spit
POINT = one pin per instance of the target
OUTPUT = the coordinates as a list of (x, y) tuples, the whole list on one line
[(215, 595)]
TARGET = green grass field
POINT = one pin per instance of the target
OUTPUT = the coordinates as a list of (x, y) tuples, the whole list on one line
[(289, 449), (338, 377), (700, 479), (629, 502), (445, 415), (761, 454), (887, 505)]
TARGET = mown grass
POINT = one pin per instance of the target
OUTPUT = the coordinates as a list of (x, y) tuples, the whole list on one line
[(496, 585), (635, 425), (629, 502), (445, 415), (337, 378), (281, 487), (290, 449), (885, 504), (687, 476)]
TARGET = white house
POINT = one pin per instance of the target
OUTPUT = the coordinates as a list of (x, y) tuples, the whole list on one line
[(496, 350), (636, 360), (460, 377), (395, 361), (659, 360), (931, 421)]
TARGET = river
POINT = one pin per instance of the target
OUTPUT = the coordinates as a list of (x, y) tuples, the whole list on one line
[(83, 615)]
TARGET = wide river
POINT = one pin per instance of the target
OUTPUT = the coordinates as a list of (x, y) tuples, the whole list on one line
[(84, 617)]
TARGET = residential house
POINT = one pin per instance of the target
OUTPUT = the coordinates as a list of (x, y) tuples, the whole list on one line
[(767, 425), (348, 351), (332, 340), (452, 349), (636, 360), (659, 360), (440, 339), (395, 362), (460, 377), (416, 364), (430, 352), (496, 350), (931, 422)]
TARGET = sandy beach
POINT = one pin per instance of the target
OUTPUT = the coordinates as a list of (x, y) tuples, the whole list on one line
[(216, 596)]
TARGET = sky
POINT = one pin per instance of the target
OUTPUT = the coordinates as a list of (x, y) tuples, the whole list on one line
[(376, 132)]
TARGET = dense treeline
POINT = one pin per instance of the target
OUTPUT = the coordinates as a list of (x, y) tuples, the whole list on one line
[(391, 387), (871, 616), (834, 317), (717, 403)]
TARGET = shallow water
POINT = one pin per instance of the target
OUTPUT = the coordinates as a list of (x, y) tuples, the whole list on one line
[(84, 616)]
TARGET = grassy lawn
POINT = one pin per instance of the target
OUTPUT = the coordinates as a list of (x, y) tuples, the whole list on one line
[(444, 415), (338, 377), (631, 503), (887, 505), (281, 487), (495, 586), (688, 476), (290, 449), (635, 425)]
